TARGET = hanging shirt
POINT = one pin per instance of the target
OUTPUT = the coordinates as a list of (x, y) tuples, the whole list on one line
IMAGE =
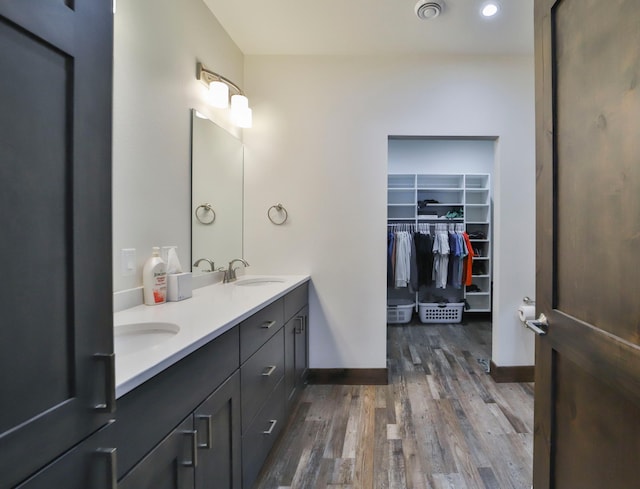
[(390, 275), (440, 259), (424, 258), (468, 263), (403, 259)]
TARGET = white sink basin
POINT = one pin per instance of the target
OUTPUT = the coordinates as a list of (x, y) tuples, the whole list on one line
[(135, 337), (258, 281)]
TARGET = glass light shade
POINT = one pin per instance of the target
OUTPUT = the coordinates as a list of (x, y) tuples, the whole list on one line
[(239, 102), (219, 94), (245, 119), (241, 114)]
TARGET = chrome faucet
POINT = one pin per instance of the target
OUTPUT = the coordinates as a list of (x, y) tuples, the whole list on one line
[(212, 267), (230, 272)]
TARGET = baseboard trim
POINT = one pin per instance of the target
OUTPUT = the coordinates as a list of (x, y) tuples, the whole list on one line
[(348, 376), (519, 373)]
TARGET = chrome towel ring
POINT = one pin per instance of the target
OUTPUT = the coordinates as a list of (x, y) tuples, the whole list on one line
[(207, 209), (279, 208)]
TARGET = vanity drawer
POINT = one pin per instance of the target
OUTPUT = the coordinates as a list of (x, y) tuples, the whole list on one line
[(295, 300), (257, 329), (259, 375), (262, 434)]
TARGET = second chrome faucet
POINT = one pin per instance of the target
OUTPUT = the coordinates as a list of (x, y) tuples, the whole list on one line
[(230, 272)]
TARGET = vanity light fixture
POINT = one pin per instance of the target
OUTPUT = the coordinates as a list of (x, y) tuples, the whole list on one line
[(219, 90)]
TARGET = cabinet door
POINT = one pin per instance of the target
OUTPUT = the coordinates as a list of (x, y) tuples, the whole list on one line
[(290, 337), (217, 422), (170, 465), (260, 436), (301, 347), (92, 464), (55, 220), (296, 349)]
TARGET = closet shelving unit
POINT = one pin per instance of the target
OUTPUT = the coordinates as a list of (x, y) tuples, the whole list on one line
[(469, 192)]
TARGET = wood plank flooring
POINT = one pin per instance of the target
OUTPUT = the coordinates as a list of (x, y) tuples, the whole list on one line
[(441, 423)]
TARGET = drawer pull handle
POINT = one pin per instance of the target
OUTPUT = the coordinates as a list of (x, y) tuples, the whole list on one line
[(267, 324), (209, 432), (194, 449), (273, 423), (269, 370)]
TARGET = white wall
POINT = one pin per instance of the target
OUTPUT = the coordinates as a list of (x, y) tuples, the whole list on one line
[(428, 155), (319, 146), (156, 46)]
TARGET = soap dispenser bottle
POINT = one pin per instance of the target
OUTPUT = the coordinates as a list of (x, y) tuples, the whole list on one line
[(154, 279)]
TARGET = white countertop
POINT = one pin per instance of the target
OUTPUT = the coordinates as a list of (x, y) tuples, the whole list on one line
[(211, 311)]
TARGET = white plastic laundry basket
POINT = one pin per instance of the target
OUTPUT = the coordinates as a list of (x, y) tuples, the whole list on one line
[(399, 311)]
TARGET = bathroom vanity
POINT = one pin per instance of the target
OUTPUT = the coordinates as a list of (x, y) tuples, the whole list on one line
[(203, 386), (213, 412)]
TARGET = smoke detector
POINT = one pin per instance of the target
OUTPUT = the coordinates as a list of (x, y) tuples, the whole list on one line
[(428, 9)]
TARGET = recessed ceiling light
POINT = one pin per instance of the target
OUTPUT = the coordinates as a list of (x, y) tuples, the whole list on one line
[(489, 9)]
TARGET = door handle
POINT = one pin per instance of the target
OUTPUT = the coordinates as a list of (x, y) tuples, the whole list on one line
[(208, 433), (536, 325), (300, 328), (110, 455), (109, 405), (194, 449)]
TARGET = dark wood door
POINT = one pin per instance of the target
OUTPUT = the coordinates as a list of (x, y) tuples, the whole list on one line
[(587, 393), (217, 422), (55, 228)]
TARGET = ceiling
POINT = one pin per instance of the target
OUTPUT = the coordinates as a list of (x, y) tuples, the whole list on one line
[(367, 27)]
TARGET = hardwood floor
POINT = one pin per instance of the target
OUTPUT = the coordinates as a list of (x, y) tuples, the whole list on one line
[(441, 423)]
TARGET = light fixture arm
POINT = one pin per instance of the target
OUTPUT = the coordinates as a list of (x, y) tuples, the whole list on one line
[(207, 76)]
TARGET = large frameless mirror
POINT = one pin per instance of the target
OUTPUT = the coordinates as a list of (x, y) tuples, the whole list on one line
[(216, 194)]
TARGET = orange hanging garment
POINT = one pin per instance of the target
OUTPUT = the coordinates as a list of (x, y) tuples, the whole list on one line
[(467, 273)]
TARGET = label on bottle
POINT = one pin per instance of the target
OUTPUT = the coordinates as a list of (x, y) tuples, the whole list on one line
[(159, 287)]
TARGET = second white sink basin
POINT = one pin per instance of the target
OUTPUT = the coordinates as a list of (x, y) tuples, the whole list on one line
[(135, 337), (258, 281)]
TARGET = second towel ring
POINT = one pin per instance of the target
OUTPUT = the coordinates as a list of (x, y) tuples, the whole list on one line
[(207, 208), (280, 209)]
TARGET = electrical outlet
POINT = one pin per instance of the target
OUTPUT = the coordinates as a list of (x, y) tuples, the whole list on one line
[(127, 262)]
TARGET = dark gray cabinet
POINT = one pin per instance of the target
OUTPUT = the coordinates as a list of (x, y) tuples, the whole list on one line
[(260, 374), (296, 342), (261, 434), (301, 355), (91, 464), (223, 406), (218, 426), (170, 465), (149, 412), (56, 360)]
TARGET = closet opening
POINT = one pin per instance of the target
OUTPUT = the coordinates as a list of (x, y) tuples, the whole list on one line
[(439, 231)]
